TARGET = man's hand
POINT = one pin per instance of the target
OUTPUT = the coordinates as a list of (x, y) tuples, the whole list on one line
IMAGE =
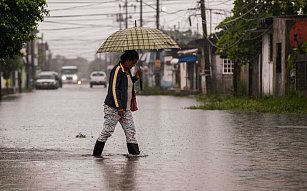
[(138, 74), (120, 111)]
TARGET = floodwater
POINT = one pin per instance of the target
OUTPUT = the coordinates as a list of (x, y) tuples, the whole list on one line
[(182, 149)]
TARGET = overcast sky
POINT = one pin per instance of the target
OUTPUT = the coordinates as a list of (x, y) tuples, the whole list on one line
[(76, 28)]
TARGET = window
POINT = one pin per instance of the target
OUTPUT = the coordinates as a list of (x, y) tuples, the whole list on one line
[(271, 48), (278, 58), (69, 71), (227, 66)]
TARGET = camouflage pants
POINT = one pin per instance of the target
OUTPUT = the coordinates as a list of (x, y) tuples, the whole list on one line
[(111, 118)]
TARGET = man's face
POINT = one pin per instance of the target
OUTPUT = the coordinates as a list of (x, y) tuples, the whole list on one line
[(131, 63)]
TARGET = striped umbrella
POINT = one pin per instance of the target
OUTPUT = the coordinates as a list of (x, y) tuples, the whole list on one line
[(137, 38)]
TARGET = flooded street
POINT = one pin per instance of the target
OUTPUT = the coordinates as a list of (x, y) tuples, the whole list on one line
[(182, 149)]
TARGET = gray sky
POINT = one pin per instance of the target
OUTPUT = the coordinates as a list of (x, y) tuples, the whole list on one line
[(76, 28)]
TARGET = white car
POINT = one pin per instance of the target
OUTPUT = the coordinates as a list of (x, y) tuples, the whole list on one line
[(46, 80), (98, 78)]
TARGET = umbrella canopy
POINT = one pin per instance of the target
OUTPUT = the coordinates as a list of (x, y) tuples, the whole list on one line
[(137, 38)]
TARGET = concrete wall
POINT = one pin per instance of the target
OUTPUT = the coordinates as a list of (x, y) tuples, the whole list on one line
[(183, 76), (267, 67), (279, 78), (167, 78)]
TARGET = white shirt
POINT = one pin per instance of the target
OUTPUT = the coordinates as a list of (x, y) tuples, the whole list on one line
[(129, 92)]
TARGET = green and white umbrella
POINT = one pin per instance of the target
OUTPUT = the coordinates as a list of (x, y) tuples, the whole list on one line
[(137, 38)]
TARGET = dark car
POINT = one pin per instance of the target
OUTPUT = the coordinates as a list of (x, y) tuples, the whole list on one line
[(58, 78)]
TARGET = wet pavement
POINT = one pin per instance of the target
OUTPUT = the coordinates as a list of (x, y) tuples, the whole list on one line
[(181, 149)]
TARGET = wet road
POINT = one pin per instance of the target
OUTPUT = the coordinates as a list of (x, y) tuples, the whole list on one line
[(182, 149)]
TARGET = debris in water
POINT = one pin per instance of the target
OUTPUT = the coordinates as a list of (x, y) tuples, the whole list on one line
[(81, 135)]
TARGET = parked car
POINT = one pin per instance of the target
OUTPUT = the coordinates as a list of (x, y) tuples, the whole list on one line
[(98, 78), (58, 78), (47, 80)]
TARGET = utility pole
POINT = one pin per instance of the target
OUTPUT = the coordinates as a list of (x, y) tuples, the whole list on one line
[(158, 68), (126, 19), (119, 16), (206, 72), (33, 67), (141, 13), (28, 65), (210, 21), (0, 81), (158, 15)]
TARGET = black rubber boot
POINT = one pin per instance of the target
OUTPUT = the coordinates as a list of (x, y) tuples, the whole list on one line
[(133, 148), (98, 148)]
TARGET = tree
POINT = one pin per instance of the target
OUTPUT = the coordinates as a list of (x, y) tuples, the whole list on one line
[(18, 20), (9, 66)]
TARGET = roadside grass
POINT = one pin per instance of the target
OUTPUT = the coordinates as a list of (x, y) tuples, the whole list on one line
[(153, 91), (288, 104), (9, 97), (27, 90)]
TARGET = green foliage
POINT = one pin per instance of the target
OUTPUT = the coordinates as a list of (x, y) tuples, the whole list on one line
[(289, 104), (10, 65), (18, 21), (238, 41), (302, 49), (291, 66)]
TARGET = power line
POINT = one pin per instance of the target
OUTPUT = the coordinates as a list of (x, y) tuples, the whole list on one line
[(83, 15), (230, 21), (78, 2), (58, 29), (70, 8), (220, 3), (82, 24), (78, 24)]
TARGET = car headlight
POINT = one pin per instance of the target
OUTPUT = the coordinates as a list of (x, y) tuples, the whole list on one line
[(63, 77), (74, 77)]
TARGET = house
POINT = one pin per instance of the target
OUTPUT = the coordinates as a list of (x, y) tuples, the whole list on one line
[(186, 70), (159, 72), (273, 74), (222, 75), (281, 36)]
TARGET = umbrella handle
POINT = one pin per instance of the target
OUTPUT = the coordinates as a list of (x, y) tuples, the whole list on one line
[(141, 81), (141, 84)]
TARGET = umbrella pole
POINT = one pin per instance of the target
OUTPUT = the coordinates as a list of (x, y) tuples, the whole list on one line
[(139, 68), (141, 82)]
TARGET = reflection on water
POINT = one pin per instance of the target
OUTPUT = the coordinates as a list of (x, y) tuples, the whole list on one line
[(271, 150), (118, 173), (184, 149)]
